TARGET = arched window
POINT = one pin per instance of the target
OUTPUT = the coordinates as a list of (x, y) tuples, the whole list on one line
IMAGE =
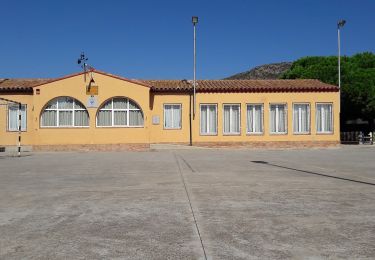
[(120, 112), (64, 112)]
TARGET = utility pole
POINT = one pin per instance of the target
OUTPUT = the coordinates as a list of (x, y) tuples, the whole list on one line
[(195, 21), (340, 24)]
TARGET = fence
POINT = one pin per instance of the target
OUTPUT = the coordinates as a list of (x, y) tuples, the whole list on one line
[(356, 137)]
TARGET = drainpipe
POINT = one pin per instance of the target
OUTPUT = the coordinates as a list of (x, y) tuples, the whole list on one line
[(190, 121), (19, 128)]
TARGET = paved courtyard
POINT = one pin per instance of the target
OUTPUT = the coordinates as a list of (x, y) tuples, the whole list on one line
[(189, 204)]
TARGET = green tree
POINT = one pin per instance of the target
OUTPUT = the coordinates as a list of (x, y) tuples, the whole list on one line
[(357, 81)]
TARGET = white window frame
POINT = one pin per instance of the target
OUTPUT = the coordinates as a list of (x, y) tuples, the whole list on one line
[(57, 109), (180, 109), (300, 118), (113, 110), (277, 118), (23, 107), (253, 113), (230, 116), (316, 118), (208, 118)]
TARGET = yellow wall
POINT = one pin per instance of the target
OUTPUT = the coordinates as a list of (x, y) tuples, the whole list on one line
[(160, 135), (182, 135), (76, 87), (11, 138), (152, 105)]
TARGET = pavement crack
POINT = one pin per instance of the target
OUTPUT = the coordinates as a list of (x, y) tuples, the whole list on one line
[(187, 164), (190, 204)]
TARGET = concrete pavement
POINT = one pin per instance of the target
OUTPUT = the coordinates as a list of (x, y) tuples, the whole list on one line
[(189, 204)]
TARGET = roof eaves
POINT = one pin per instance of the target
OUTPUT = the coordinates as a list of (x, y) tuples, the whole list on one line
[(95, 71)]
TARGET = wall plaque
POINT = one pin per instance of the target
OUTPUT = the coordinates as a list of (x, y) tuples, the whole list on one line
[(92, 101), (155, 120)]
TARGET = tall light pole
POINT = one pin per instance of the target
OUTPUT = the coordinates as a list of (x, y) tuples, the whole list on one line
[(340, 24), (194, 20)]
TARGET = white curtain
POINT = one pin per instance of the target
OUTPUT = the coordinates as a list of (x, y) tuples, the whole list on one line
[(319, 118), (120, 103), (258, 118), (13, 121), (172, 116), (168, 111), (226, 119), (105, 118), (235, 122), (208, 121), (204, 117), (52, 104), (176, 116), (107, 105), (278, 118), (305, 118), (301, 118), (135, 118), (296, 118), (120, 118), (249, 119), (328, 118), (282, 119), (273, 119), (78, 105), (231, 119), (65, 118), (81, 118), (124, 111), (49, 118), (212, 119), (65, 103), (254, 119), (60, 111), (324, 122)]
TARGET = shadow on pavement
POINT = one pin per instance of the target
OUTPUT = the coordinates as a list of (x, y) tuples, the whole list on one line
[(314, 173)]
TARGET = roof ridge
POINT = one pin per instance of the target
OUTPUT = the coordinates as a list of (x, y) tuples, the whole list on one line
[(3, 80)]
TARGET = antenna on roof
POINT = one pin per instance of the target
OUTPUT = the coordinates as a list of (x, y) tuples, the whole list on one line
[(82, 60)]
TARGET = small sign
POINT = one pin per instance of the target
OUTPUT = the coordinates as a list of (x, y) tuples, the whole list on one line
[(92, 101), (92, 90), (155, 120)]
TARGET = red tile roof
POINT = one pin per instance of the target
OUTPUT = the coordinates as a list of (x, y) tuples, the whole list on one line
[(20, 85), (298, 85), (282, 85)]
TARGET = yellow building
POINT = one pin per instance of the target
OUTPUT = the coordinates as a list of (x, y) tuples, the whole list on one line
[(97, 110)]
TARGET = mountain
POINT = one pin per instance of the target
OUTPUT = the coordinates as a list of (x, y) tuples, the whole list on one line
[(267, 71)]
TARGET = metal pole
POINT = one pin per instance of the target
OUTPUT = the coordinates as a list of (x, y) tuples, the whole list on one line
[(339, 66), (194, 79), (190, 123), (339, 55), (340, 24), (19, 128)]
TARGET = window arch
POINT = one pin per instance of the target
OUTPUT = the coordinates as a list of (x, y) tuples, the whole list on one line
[(119, 112), (64, 112)]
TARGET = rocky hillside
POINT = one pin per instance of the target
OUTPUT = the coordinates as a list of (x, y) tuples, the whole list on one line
[(267, 71)]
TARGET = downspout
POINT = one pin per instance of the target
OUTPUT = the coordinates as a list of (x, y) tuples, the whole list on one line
[(190, 120)]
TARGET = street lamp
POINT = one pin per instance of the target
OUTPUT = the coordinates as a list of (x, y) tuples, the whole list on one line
[(340, 24), (194, 20)]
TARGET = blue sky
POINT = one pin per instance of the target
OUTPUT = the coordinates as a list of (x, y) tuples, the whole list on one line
[(153, 39)]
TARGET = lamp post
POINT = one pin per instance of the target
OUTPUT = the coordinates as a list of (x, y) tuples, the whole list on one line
[(340, 24), (194, 20)]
